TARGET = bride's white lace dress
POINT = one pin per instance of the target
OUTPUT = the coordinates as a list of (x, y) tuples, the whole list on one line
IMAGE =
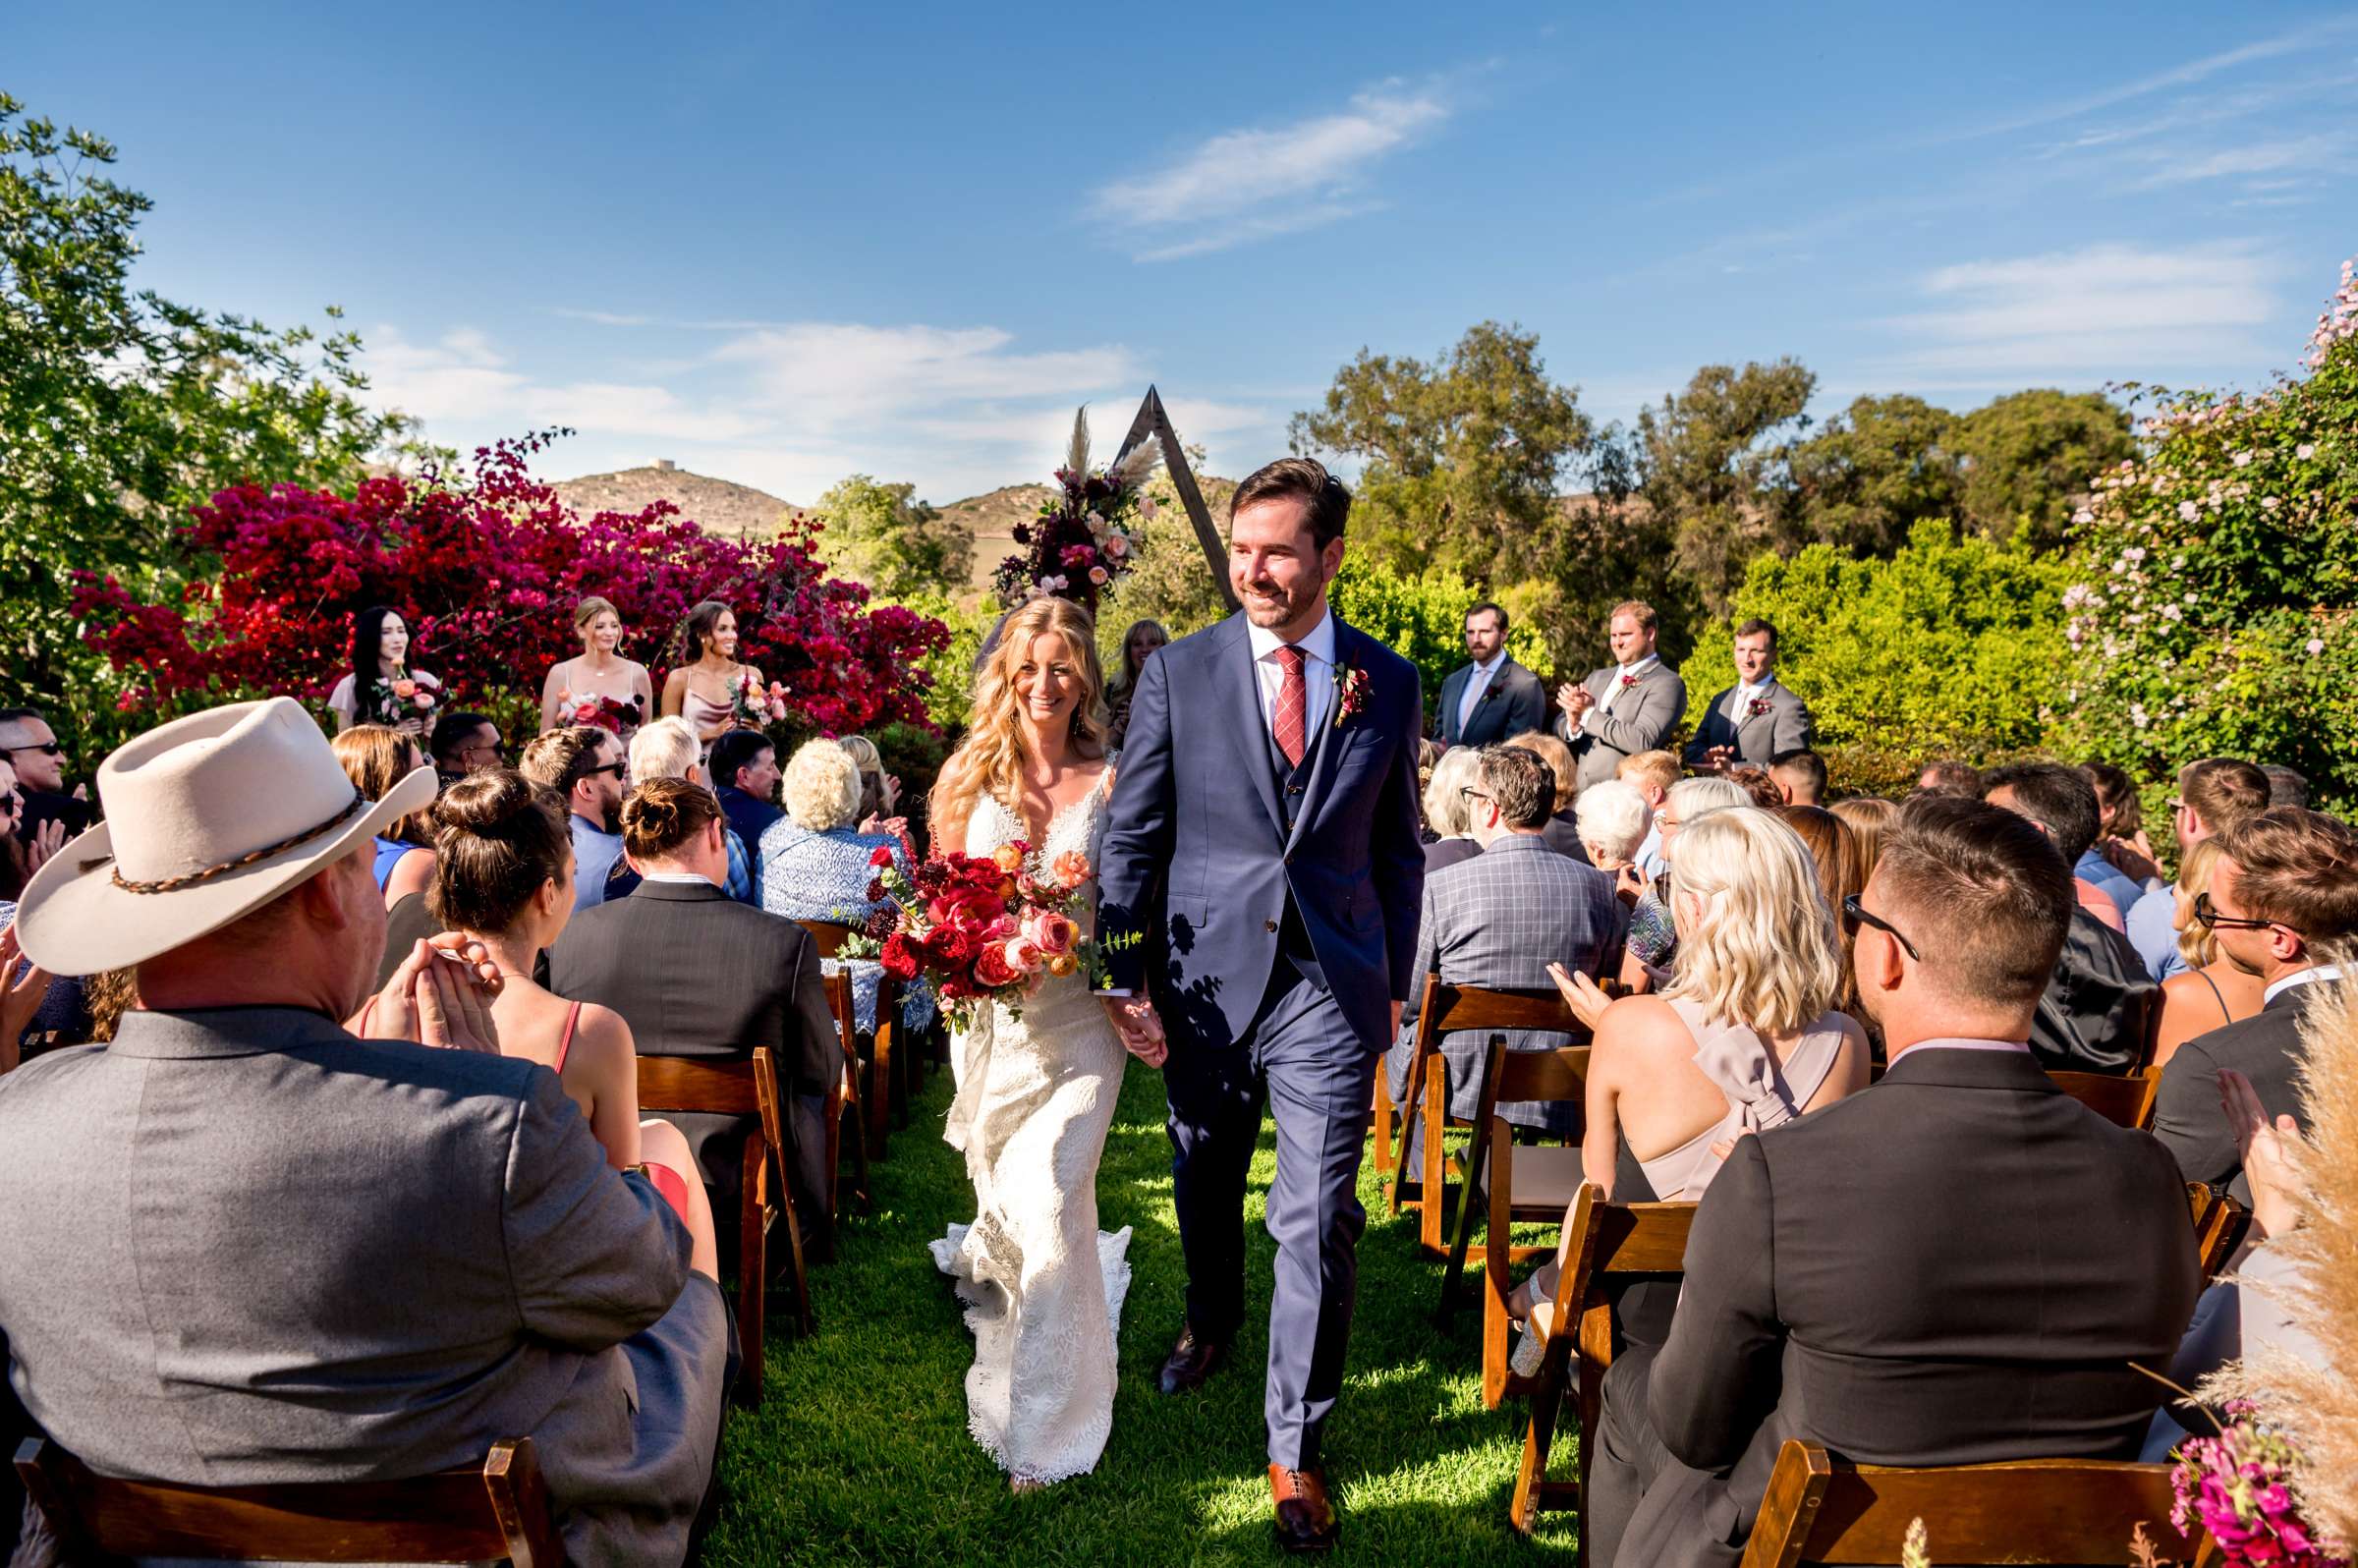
[(1042, 1288)]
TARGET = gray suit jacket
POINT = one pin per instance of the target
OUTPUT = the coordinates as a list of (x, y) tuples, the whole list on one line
[(1499, 920), (244, 1246), (1784, 726), (1643, 719), (1513, 701)]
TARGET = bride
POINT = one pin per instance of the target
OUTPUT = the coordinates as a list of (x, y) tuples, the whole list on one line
[(1035, 1096)]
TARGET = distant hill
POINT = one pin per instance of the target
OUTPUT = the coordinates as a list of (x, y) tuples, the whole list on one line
[(991, 518), (718, 506)]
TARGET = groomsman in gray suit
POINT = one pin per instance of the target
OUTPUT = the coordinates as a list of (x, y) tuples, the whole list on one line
[(1486, 701), (1756, 720), (1631, 706)]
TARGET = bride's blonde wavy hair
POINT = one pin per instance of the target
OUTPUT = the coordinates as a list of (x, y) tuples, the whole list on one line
[(990, 760), (1761, 950)]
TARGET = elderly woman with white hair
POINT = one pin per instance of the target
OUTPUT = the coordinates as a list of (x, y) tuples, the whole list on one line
[(1450, 811), (816, 864), (1653, 935), (1613, 819), (669, 748)]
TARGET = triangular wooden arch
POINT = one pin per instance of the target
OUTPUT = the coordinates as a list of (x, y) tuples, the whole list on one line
[(1154, 420)]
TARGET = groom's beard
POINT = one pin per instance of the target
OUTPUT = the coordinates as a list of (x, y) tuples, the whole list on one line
[(1278, 608)]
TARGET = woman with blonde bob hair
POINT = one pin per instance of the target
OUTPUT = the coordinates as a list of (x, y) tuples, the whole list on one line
[(1447, 811)]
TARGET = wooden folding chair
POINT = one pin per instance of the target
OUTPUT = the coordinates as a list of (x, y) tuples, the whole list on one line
[(1450, 1010), (884, 1093), (1818, 1509), (1534, 1183), (2124, 1101), (2220, 1223), (689, 1083), (497, 1512), (1601, 1243), (844, 1100)]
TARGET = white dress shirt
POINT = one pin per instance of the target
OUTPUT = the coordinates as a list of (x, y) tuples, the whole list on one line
[(1605, 703), (1476, 684), (1318, 674), (2300, 976), (1744, 698)]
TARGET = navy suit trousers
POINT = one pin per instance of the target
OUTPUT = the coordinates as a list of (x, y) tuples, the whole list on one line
[(1301, 1059)]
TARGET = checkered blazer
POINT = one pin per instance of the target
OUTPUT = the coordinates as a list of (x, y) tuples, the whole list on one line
[(1499, 920)]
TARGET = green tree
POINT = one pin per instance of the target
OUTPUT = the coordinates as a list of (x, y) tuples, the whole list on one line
[(119, 408), (1870, 473), (1709, 465), (887, 538), (1420, 618), (2031, 456), (1460, 459), (1949, 648), (1171, 583)]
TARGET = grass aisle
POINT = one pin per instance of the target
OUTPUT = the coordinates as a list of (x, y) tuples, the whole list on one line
[(860, 1453)]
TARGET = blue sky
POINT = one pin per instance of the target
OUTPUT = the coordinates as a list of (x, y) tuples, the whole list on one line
[(780, 243)]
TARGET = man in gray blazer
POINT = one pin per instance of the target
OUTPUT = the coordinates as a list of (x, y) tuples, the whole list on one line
[(1494, 698), (1499, 920), (1631, 706), (1756, 720), (247, 1248)]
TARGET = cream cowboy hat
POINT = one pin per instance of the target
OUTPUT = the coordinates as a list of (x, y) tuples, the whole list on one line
[(208, 818)]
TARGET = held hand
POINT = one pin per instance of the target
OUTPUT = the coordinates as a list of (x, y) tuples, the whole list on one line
[(2128, 860), (1141, 1028), (1582, 994), (2267, 1151)]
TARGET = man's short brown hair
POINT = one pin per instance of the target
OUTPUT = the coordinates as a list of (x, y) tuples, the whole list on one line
[(1660, 769), (1520, 783), (1952, 777), (2224, 791), (562, 759), (1982, 894), (1327, 504), (1647, 619), (2297, 868)]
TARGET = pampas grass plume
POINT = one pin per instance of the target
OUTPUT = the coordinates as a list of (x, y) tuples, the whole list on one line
[(1075, 457), (1138, 463)]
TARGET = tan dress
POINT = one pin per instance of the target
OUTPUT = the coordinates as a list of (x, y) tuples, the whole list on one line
[(1761, 1092)]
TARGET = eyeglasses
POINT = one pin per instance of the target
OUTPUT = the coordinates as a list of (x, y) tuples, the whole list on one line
[(1852, 908), (50, 748), (618, 770), (2206, 915), (1470, 793)]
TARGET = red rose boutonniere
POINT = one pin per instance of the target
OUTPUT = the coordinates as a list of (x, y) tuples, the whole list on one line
[(1352, 688), (1758, 707), (1628, 681)]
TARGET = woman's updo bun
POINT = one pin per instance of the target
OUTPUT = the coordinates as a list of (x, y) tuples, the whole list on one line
[(663, 813), (499, 838)]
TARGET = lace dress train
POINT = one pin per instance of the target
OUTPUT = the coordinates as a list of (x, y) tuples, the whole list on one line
[(1043, 1286)]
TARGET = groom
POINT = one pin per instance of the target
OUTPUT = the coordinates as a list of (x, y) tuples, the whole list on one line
[(1260, 883)]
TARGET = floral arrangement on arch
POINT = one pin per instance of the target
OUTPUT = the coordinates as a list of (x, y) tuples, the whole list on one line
[(984, 929), (1082, 542)]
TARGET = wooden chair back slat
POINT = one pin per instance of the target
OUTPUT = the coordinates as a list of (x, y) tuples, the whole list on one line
[(497, 1511), (2122, 1101), (828, 937), (1817, 1510), (696, 1084), (2220, 1223), (1558, 1074), (1460, 1008)]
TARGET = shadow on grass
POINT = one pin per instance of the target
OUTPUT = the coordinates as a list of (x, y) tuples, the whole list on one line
[(860, 1451)]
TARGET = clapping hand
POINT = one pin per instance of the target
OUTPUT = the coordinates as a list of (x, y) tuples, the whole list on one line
[(1139, 1027), (441, 997), (1716, 759), (1583, 996), (2268, 1151), (2133, 858), (47, 839), (19, 996), (1574, 701)]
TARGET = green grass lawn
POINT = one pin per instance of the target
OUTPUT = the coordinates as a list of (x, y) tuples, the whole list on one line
[(860, 1453)]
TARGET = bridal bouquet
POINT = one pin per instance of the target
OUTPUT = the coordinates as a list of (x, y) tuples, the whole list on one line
[(752, 706), (982, 928), (601, 712), (404, 697), (1085, 536)]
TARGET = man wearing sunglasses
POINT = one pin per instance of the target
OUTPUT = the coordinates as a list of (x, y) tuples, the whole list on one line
[(28, 744), (2283, 897), (589, 767)]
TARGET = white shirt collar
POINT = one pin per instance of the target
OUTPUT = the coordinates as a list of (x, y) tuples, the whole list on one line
[(1491, 668), (1752, 689), (1642, 666), (2299, 977), (1319, 643)]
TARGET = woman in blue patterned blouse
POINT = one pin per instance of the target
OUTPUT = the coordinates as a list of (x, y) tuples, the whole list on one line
[(814, 866)]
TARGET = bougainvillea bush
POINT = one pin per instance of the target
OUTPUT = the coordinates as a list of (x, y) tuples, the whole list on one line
[(487, 568), (2212, 609)]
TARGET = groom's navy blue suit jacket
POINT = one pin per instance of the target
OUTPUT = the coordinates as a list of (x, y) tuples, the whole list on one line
[(1198, 859)]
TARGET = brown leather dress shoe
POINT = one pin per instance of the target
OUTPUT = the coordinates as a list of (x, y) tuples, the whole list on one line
[(1306, 1519), (1190, 1360)]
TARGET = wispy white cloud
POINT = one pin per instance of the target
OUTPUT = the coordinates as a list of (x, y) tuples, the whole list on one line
[(1215, 195), (2102, 311), (2257, 157), (793, 407)]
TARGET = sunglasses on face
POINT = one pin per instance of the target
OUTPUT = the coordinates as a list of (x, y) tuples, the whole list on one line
[(2208, 917), (47, 747), (11, 804), (1857, 912)]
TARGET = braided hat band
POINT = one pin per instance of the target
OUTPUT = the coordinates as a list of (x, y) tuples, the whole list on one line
[(170, 884)]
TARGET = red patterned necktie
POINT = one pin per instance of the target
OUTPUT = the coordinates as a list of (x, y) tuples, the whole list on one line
[(1290, 703)]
